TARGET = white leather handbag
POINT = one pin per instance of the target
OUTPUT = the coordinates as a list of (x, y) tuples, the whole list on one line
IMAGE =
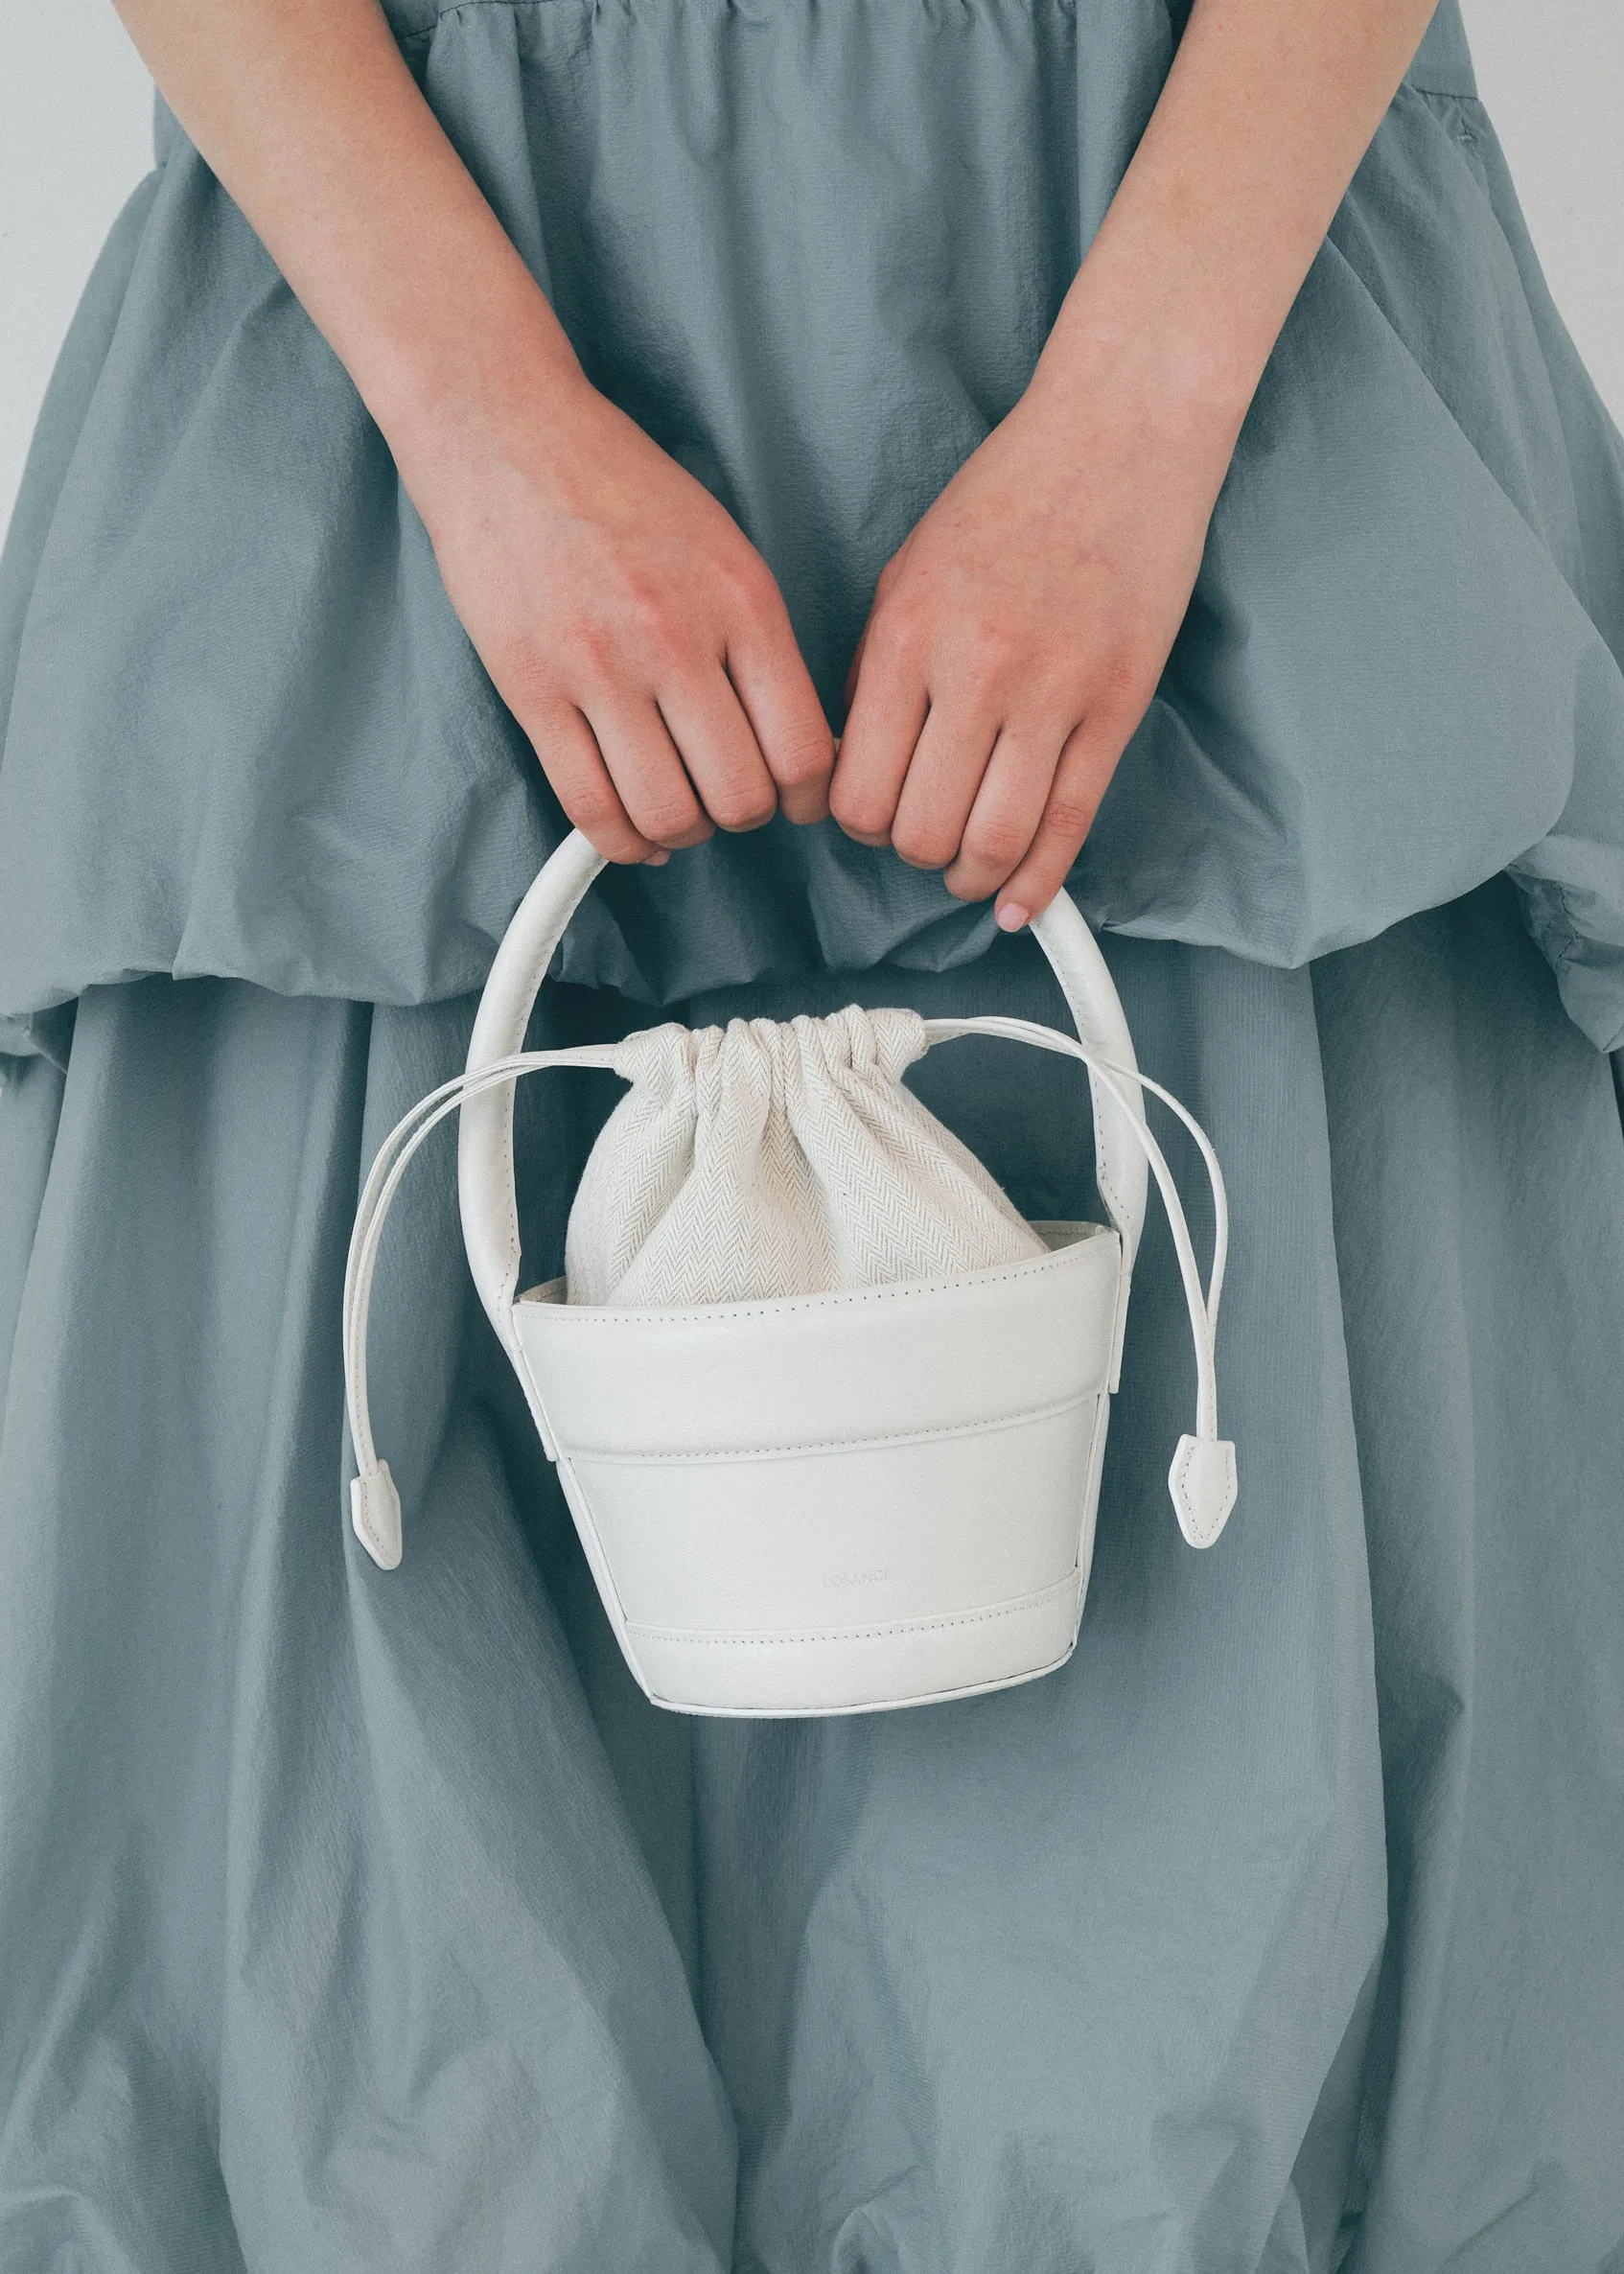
[(873, 1486)]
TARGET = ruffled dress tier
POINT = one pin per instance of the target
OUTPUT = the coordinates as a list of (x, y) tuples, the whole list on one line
[(353, 1919)]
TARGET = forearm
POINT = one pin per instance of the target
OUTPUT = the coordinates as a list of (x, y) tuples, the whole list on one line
[(1019, 635), (308, 115), (632, 629), (1265, 116)]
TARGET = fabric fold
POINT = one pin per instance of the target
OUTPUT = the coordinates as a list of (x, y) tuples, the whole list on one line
[(245, 735), (329, 1940)]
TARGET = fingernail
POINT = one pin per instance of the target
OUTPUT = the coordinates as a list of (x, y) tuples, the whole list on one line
[(1011, 915), (656, 860)]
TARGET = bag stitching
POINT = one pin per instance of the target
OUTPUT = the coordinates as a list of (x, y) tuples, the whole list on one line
[(605, 1315), (929, 1435), (1037, 1600)]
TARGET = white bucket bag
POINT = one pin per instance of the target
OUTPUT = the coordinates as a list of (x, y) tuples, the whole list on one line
[(828, 1413)]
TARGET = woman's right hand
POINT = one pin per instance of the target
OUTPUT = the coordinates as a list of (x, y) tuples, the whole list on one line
[(634, 630), (630, 625)]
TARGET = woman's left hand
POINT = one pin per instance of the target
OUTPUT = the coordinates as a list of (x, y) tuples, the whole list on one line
[(1017, 636)]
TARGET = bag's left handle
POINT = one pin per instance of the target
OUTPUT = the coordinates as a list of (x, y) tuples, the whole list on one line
[(485, 1182)]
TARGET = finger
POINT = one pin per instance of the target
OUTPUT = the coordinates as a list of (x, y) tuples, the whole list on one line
[(646, 769), (1006, 814), (572, 762), (719, 751), (939, 789), (887, 712), (1080, 782), (854, 670), (885, 582), (775, 688)]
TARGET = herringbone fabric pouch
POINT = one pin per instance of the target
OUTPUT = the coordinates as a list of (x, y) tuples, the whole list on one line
[(767, 1158)]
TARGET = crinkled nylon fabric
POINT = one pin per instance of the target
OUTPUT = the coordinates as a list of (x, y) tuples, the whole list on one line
[(814, 250), (355, 1920)]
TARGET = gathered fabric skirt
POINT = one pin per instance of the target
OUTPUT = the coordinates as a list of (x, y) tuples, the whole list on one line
[(355, 1920)]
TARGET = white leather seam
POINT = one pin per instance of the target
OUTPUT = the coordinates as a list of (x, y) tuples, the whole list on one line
[(908, 1626), (733, 1455), (1113, 1199), (935, 1697), (536, 1297), (605, 1315), (508, 1177), (1200, 1534), (729, 1453), (519, 1360)]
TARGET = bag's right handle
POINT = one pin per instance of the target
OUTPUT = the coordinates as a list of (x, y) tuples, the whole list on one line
[(1102, 1025)]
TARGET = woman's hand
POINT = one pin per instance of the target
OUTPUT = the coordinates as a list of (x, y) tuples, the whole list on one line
[(1017, 636), (630, 625), (633, 630)]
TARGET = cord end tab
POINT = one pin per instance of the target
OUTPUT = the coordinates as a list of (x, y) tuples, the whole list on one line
[(1203, 1483), (375, 1514)]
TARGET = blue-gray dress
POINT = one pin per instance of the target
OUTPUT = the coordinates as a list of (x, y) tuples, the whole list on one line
[(361, 1921)]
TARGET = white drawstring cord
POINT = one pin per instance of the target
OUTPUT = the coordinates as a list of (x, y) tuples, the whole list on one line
[(375, 1504), (1202, 1478)]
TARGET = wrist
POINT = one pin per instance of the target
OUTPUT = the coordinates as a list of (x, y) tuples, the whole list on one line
[(1163, 357), (484, 367)]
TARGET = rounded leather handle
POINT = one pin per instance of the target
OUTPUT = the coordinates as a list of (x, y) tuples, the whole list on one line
[(485, 1180), (1120, 1169)]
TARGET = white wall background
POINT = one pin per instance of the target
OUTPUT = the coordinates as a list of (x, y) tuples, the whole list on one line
[(74, 140)]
